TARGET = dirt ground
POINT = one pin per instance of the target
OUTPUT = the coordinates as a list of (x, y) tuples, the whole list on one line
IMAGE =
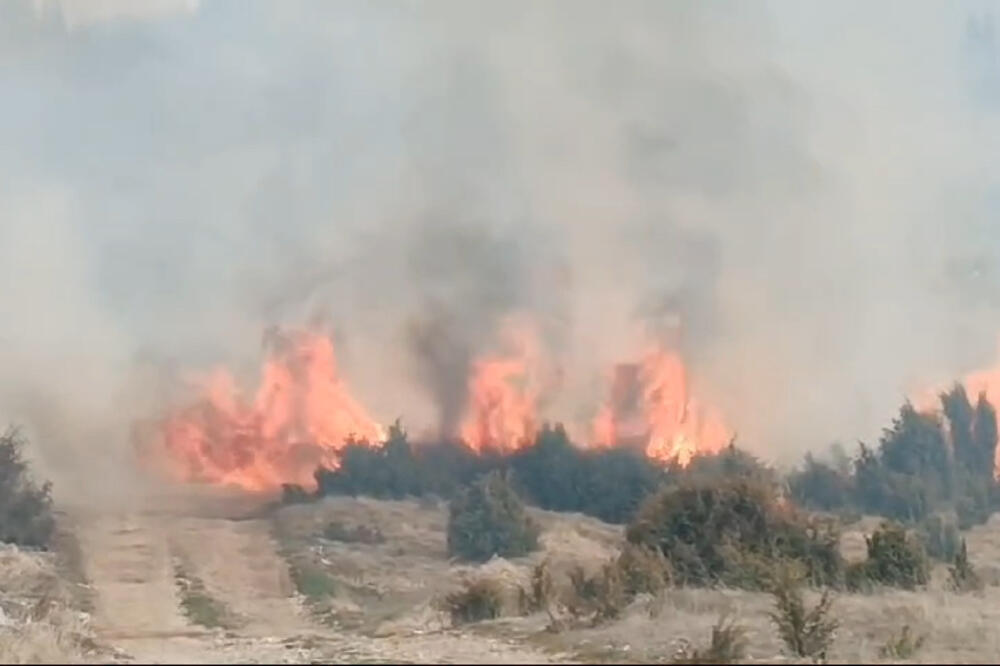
[(210, 579)]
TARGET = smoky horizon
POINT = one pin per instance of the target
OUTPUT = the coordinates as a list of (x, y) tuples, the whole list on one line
[(795, 203)]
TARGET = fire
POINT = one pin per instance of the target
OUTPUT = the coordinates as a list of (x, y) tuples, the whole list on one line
[(650, 407), (504, 390), (302, 413), (301, 416)]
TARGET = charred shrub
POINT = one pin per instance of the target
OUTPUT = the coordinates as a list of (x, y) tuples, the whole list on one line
[(487, 519), (895, 559), (25, 507), (733, 531)]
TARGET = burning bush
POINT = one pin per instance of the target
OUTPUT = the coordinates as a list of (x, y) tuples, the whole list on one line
[(25, 508), (487, 519), (733, 531)]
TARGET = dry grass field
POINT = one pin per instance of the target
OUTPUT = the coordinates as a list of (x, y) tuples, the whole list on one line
[(205, 582)]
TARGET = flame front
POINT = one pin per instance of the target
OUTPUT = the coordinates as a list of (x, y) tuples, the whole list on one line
[(650, 404), (503, 394), (301, 417)]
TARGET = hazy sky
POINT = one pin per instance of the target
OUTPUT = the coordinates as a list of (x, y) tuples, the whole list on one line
[(809, 187)]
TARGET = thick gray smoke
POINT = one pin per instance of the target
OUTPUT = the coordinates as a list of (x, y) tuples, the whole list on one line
[(804, 191)]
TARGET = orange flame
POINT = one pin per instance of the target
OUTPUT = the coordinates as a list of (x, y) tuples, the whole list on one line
[(650, 404), (504, 390), (301, 417)]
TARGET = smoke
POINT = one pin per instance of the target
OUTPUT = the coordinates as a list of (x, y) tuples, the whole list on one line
[(799, 196)]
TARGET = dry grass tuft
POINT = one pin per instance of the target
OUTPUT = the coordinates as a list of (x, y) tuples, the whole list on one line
[(728, 645), (902, 645)]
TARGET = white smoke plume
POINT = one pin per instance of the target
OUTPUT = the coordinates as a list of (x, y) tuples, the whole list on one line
[(807, 188)]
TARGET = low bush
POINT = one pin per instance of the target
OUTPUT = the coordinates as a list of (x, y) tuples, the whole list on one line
[(730, 463), (644, 570), (820, 486), (26, 517), (599, 597), (941, 536), (732, 532), (728, 645), (487, 519), (337, 531), (962, 576), (479, 600), (902, 645), (806, 632), (895, 559)]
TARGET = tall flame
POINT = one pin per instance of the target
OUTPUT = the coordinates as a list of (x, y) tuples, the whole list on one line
[(301, 417), (650, 403), (503, 394)]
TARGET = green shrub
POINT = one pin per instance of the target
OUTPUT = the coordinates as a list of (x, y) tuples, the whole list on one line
[(600, 597), (731, 462), (820, 486), (805, 632), (732, 531), (941, 536), (643, 569), (895, 559), (25, 508), (552, 473), (479, 600), (962, 576), (487, 519), (606, 483), (921, 466)]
